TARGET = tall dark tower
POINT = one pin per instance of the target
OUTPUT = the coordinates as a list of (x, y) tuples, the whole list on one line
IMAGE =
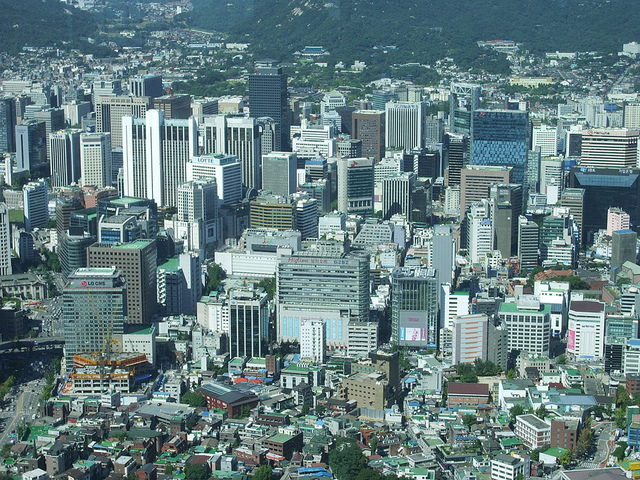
[(268, 98)]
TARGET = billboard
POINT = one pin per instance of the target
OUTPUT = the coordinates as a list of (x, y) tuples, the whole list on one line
[(413, 327)]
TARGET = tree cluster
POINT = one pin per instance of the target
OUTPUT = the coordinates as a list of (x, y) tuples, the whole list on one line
[(469, 373)]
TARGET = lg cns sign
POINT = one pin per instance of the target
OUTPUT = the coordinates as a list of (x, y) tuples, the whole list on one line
[(93, 283)]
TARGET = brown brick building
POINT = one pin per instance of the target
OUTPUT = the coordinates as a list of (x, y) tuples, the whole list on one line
[(467, 394)]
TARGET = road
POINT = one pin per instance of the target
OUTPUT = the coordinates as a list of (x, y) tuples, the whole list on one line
[(9, 428), (603, 432)]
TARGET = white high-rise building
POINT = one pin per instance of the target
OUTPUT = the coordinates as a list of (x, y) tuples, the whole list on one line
[(64, 157), (5, 241), (404, 125), (235, 135), (313, 340), (585, 334), (155, 155), (452, 304), (609, 147), (197, 221), (36, 205), (480, 230), (469, 338), (225, 169), (546, 138), (95, 159)]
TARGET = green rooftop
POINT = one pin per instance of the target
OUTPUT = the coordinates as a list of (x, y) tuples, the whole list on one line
[(513, 308), (555, 452), (173, 265), (138, 244), (280, 438)]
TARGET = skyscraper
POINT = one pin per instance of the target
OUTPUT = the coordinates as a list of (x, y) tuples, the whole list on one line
[(609, 147), (111, 109), (623, 249), (93, 311), (355, 186), (528, 240), (146, 86), (463, 100), (501, 138), (469, 338), (475, 181), (5, 241), (225, 169), (36, 205), (95, 159), (404, 125), (414, 307), (546, 138), (573, 198), (248, 322), (279, 173), (31, 147), (443, 252), (239, 136), (7, 124), (457, 146), (137, 261), (396, 194), (268, 98), (64, 157), (174, 106), (369, 126), (197, 221), (507, 208), (155, 155)]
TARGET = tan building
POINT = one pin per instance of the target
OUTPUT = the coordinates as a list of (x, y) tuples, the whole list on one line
[(368, 390), (475, 181), (111, 109), (273, 212), (137, 261)]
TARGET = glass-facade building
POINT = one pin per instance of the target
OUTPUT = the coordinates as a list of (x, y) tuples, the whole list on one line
[(93, 310), (501, 137), (414, 307), (605, 188)]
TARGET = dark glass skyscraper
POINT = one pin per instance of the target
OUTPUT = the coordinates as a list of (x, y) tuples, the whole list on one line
[(500, 137), (268, 98), (7, 125)]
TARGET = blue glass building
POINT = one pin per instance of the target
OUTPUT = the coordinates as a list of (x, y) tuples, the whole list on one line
[(501, 138)]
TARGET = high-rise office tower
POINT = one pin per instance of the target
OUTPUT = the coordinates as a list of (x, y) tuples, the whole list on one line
[(507, 208), (146, 86), (469, 338), (95, 159), (105, 87), (381, 98), (331, 101), (463, 100), (93, 311), (501, 138), (268, 98), (137, 261), (239, 136), (528, 241), (617, 219), (546, 138), (111, 109), (306, 213), (310, 286), (225, 169), (623, 249), (174, 106), (273, 211), (475, 181), (7, 124), (180, 284), (267, 134), (443, 252), (197, 219), (369, 126), (64, 157), (404, 125), (433, 130), (609, 147), (414, 307), (31, 147), (632, 115), (355, 186), (5, 241), (155, 155), (457, 146), (573, 198), (36, 205), (53, 119), (279, 173), (396, 194), (480, 230), (248, 322)]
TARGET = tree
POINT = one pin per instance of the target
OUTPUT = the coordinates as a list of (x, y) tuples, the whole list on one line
[(190, 424), (562, 359), (535, 455), (263, 473), (515, 411), (169, 469), (469, 421), (621, 447), (622, 397), (197, 471), (511, 374), (620, 417), (373, 444), (269, 285), (245, 411), (194, 399), (346, 459), (320, 409), (541, 411), (467, 373), (5, 451), (565, 458), (215, 275), (305, 409)]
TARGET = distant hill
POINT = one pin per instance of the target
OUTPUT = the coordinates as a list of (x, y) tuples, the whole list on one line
[(42, 23), (422, 29)]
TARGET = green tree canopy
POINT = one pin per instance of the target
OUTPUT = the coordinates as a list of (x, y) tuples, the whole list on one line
[(263, 473), (346, 459), (197, 471), (194, 399)]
